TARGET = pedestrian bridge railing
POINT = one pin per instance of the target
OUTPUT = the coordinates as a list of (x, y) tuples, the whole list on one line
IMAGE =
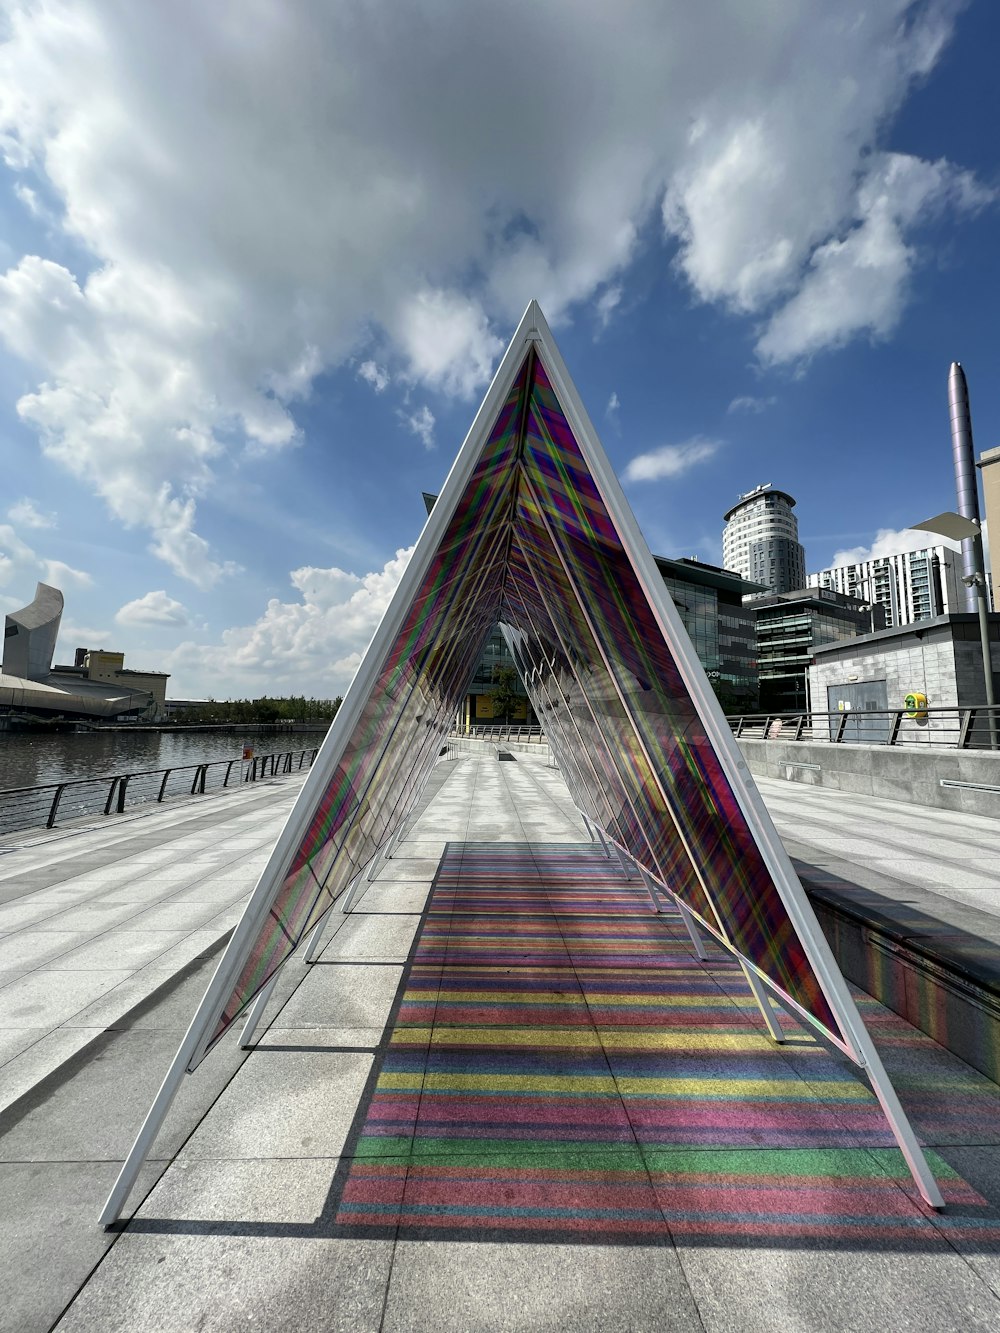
[(976, 728), (38, 807), (529, 735)]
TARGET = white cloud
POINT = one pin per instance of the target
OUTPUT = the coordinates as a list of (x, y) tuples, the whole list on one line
[(888, 541), (312, 645), (747, 403), (614, 403), (236, 245), (447, 342), (421, 423), (27, 513), (858, 284), (376, 375), (670, 460), (607, 303), (154, 608), (62, 576), (21, 567)]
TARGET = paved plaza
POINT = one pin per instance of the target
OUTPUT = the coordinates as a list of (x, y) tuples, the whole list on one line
[(506, 1096)]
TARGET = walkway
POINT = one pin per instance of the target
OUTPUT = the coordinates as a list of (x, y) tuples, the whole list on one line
[(526, 1107), (98, 914)]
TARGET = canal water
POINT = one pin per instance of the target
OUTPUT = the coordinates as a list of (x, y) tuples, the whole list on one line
[(34, 759)]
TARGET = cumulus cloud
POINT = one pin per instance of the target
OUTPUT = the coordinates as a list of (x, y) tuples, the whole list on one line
[(310, 645), (27, 513), (21, 567), (748, 403), (234, 246), (155, 608), (889, 541), (671, 460), (421, 423), (376, 375)]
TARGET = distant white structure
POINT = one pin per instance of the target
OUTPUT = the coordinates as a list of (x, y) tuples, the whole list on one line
[(761, 540), (911, 585)]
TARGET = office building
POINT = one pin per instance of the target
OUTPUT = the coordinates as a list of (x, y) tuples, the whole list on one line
[(910, 585), (761, 540), (710, 602), (790, 627)]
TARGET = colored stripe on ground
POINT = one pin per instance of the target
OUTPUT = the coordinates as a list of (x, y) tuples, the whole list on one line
[(561, 1065)]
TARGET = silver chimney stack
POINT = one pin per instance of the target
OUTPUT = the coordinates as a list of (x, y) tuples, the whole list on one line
[(965, 473)]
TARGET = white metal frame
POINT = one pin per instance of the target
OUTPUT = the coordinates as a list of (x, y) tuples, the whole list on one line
[(857, 1042)]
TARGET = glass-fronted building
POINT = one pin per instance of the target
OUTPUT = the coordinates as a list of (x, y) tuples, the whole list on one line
[(761, 540), (790, 626), (710, 603)]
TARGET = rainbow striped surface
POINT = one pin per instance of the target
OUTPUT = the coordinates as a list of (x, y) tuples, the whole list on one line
[(561, 1067)]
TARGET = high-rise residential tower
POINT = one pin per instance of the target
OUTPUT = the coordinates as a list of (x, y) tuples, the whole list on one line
[(761, 540), (911, 585)]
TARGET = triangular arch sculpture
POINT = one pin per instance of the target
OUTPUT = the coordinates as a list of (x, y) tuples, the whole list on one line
[(532, 531)]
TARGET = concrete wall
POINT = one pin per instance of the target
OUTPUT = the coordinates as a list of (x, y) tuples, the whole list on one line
[(905, 666), (879, 770)]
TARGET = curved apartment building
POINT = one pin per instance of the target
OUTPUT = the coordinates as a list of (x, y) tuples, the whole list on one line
[(761, 540)]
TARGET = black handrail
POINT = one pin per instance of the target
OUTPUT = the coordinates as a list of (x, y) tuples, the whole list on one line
[(28, 807), (973, 728)]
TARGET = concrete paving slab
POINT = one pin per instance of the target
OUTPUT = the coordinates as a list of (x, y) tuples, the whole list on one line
[(226, 1246), (39, 1059), (43, 1200), (121, 949), (90, 1108), (287, 1104), (451, 1285), (869, 1289), (378, 937), (345, 997), (34, 1001)]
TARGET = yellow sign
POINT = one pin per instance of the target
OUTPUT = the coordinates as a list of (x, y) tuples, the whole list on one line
[(915, 704)]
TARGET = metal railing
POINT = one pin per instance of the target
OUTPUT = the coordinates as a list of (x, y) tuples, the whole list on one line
[(955, 728), (35, 807), (502, 733)]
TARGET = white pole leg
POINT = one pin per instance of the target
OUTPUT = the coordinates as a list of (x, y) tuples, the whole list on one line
[(694, 935), (256, 1014), (359, 883), (622, 861), (763, 1003), (654, 897), (604, 841)]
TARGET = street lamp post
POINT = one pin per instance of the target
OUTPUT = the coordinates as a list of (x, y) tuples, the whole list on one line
[(959, 528)]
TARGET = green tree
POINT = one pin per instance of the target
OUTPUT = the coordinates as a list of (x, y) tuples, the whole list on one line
[(505, 694)]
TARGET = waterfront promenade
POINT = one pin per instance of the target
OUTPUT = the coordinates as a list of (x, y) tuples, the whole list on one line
[(473, 1112)]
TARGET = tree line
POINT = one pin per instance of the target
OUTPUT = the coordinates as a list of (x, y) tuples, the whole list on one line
[(266, 709)]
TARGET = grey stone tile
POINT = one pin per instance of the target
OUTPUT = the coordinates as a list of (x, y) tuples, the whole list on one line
[(345, 997), (762, 1289), (284, 1104), (92, 1107), (321, 1038), (408, 868), (399, 897), (460, 1286), (28, 949), (49, 1239), (373, 937), (40, 1000), (15, 1040), (226, 1246), (120, 949), (37, 1061)]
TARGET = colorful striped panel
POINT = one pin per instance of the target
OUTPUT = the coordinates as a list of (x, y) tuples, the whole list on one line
[(409, 711), (561, 1067), (597, 607)]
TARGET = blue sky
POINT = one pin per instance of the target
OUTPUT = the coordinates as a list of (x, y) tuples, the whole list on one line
[(258, 262)]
